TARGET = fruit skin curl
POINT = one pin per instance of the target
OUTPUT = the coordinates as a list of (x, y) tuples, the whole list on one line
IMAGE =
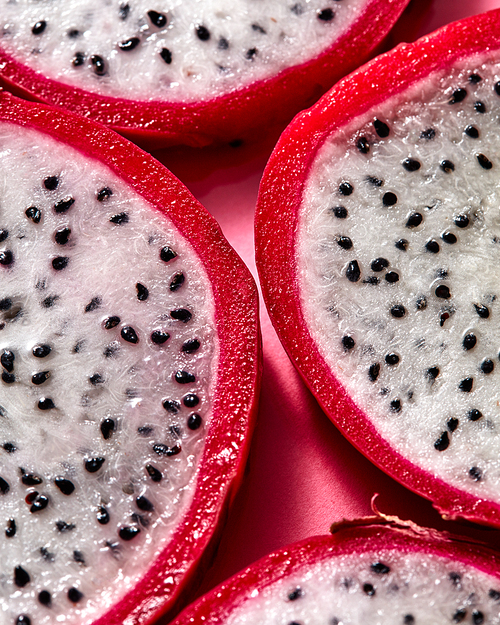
[(276, 228), (233, 116), (173, 575)]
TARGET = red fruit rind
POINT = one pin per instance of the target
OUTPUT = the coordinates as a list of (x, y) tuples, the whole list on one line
[(370, 534), (277, 221), (228, 117), (236, 385)]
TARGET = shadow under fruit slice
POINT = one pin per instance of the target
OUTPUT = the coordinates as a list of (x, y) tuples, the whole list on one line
[(378, 250), (129, 375), (363, 573)]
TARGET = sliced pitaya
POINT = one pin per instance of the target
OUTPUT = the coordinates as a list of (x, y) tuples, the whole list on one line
[(385, 575), (187, 71), (129, 360), (377, 241)]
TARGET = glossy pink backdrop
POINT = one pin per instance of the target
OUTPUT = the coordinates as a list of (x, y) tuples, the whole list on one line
[(302, 474)]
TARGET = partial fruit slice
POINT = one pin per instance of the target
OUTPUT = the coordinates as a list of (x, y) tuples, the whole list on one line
[(188, 72), (129, 354), (362, 574), (377, 245)]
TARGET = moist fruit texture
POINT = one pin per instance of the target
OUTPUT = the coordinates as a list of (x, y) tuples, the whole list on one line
[(364, 574), (391, 221), (179, 67), (121, 349)]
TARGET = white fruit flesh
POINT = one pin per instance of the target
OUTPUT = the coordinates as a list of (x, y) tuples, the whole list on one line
[(242, 42), (409, 588), (441, 425), (95, 374)]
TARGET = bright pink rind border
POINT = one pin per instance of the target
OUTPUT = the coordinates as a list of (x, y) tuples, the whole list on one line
[(238, 114), (215, 607), (277, 219), (234, 403)]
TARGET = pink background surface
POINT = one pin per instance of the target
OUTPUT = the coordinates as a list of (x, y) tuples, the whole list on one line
[(302, 474)]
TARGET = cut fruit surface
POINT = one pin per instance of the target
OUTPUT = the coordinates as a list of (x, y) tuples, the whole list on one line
[(187, 72), (129, 374), (377, 244)]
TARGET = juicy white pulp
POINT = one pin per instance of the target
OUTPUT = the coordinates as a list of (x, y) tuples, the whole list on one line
[(95, 374), (240, 42), (440, 424), (412, 589)]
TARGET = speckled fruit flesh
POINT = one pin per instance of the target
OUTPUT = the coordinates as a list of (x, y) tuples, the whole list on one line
[(190, 72), (362, 574), (129, 375), (377, 246)]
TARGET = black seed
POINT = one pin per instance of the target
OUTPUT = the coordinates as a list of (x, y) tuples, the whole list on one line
[(444, 316), (129, 334), (432, 246), (379, 264), (469, 341), (63, 205), (94, 304), (408, 619), (103, 194), (190, 346), (344, 242), (10, 530), (7, 360), (39, 27), (171, 406), (102, 516), (398, 311), (21, 577), (167, 254), (45, 403), (3, 234), (345, 188), (396, 405), (381, 128), (472, 132), (78, 59), (482, 311), (119, 219), (111, 322), (166, 55), (41, 351), (129, 44), (462, 221), (4, 486), (124, 11), (183, 377), (60, 262), (368, 589), (250, 54), (428, 134), (479, 107), (474, 414), (61, 237), (376, 182), (391, 277), (452, 424), (421, 303), (458, 96), (363, 145), (371, 280), (497, 87), (348, 342), (442, 442), (142, 292), (474, 79), (484, 161), (202, 33), (194, 421), (447, 166), (40, 377), (494, 594), (143, 503), (181, 314), (295, 594), (92, 465), (23, 619), (389, 199), (46, 555), (177, 281), (145, 430), (40, 503), (411, 164), (402, 245), (476, 474), (414, 220), (340, 212), (30, 479), (63, 527), (353, 272), (466, 385), (158, 337), (223, 44), (34, 213), (65, 486), (487, 366), (78, 557), (10, 448), (74, 595), (442, 291), (380, 568), (449, 237), (107, 428), (374, 371), (153, 473), (5, 304), (477, 617), (325, 15), (6, 258), (98, 64), (157, 19), (392, 359), (191, 400), (459, 615), (8, 378)]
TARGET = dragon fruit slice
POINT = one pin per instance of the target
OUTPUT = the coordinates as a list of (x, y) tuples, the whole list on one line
[(377, 244), (129, 375), (188, 72), (362, 574)]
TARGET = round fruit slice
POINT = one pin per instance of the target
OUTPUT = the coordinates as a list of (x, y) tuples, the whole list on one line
[(362, 574), (129, 374), (187, 72), (378, 249)]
